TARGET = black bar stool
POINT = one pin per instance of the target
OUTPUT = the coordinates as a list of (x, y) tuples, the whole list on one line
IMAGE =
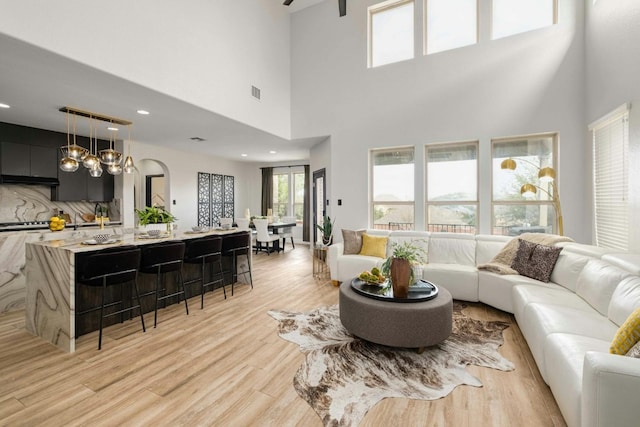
[(159, 259), (110, 267), (203, 251), (233, 246)]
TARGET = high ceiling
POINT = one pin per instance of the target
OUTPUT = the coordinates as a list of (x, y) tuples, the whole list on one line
[(36, 83)]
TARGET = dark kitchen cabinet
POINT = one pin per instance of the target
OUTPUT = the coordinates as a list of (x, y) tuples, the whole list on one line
[(28, 160), (79, 185)]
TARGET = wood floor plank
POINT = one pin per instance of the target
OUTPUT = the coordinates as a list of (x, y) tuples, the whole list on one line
[(225, 365)]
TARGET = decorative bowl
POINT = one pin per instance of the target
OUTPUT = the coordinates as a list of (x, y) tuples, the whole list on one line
[(198, 228), (101, 238), (154, 233), (225, 226)]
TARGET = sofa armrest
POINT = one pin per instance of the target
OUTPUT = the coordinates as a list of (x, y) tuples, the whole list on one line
[(335, 250), (610, 385)]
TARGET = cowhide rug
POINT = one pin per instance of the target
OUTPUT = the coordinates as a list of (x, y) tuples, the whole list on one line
[(342, 376)]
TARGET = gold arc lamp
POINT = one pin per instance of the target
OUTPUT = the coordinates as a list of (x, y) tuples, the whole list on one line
[(93, 159), (545, 174)]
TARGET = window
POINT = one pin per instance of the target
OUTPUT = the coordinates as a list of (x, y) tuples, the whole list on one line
[(452, 187), (393, 200), (610, 136), (450, 24), (526, 159), (390, 32), (517, 16), (288, 192)]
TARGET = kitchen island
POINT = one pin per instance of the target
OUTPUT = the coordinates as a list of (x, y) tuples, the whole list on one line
[(51, 289)]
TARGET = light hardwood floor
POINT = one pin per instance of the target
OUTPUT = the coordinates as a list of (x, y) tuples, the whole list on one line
[(226, 366)]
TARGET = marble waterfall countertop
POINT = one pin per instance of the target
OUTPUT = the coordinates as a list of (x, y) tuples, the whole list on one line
[(50, 277)]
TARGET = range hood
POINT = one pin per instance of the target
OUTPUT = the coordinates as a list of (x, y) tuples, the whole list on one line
[(29, 180)]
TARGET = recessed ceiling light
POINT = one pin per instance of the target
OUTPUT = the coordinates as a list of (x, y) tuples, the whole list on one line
[(111, 128), (244, 154), (143, 112), (272, 152), (4, 105)]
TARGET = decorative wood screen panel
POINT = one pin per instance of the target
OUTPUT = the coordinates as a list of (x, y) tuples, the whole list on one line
[(216, 198)]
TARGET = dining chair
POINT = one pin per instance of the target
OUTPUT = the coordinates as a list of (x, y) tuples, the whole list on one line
[(287, 232), (243, 225), (115, 266), (263, 236)]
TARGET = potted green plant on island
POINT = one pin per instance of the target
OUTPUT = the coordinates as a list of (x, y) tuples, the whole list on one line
[(326, 229), (152, 215), (399, 266)]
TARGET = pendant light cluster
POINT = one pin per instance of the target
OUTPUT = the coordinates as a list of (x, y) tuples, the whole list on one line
[(92, 159)]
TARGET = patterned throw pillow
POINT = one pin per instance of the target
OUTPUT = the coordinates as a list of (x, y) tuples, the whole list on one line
[(628, 334), (535, 260), (374, 246), (352, 241), (635, 351)]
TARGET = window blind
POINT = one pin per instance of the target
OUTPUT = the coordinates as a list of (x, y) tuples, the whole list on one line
[(610, 179)]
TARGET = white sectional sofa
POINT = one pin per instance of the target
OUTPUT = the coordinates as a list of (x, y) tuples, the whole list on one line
[(569, 323)]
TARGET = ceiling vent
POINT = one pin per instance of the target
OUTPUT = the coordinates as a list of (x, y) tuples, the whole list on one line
[(197, 139), (255, 92)]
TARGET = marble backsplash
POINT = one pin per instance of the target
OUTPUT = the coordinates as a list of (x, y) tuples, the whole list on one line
[(20, 203)]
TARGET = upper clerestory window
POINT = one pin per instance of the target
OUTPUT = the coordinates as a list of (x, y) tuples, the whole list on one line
[(391, 32), (450, 24), (511, 17)]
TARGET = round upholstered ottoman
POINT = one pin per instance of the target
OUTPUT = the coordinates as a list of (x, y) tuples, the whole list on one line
[(396, 324)]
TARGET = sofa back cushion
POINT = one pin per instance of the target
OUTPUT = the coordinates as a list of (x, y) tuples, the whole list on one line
[(417, 238), (452, 248), (625, 299), (597, 282), (568, 268), (487, 246)]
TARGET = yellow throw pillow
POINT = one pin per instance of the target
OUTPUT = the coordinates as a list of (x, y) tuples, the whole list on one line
[(374, 246), (628, 334)]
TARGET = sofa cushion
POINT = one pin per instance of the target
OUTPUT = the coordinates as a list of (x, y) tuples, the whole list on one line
[(524, 295), (375, 246), (564, 360), (460, 280), (487, 246), (568, 268), (352, 240), (350, 266), (634, 351), (540, 320), (625, 299), (627, 335), (535, 260), (452, 248), (495, 289), (597, 281)]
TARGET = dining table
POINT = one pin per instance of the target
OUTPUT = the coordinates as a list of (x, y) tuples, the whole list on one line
[(275, 227)]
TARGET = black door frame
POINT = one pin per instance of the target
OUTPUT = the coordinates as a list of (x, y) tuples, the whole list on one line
[(320, 173)]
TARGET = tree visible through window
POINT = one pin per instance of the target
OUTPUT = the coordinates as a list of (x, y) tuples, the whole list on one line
[(452, 187), (288, 192), (393, 199), (513, 213)]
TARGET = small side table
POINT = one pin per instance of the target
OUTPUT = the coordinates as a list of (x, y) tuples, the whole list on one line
[(320, 266)]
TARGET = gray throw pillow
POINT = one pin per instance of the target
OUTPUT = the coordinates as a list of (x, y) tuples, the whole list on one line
[(635, 351), (352, 241), (534, 260)]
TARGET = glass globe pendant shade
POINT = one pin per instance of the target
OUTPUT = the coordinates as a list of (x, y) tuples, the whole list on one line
[(128, 166), (110, 157), (90, 161), (114, 169), (67, 164), (96, 170), (74, 151)]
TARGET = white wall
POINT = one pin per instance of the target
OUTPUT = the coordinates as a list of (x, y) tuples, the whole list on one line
[(182, 178), (205, 52), (613, 78), (528, 83)]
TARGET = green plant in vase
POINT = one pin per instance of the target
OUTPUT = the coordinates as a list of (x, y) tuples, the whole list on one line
[(399, 266), (155, 215), (326, 228)]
